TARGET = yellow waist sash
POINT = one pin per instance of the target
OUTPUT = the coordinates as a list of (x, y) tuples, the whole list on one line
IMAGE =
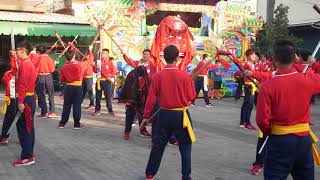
[(29, 93), (42, 74), (302, 127), (88, 77), (5, 105), (260, 134), (186, 122), (75, 83), (98, 82), (254, 87)]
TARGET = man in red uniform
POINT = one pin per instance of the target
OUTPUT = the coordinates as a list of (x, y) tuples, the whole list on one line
[(10, 106), (263, 64), (145, 61), (173, 116), (134, 94), (88, 80), (105, 83), (315, 64), (248, 101), (131, 111), (302, 61), (25, 87), (283, 113), (45, 66), (202, 79), (71, 73)]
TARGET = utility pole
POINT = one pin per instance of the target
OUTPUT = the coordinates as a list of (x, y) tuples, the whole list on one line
[(270, 10)]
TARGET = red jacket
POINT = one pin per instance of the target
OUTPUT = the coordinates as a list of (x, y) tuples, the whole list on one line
[(263, 76), (301, 67), (174, 88), (284, 100), (73, 71), (5, 81), (35, 59), (248, 66), (263, 66), (150, 67), (46, 64), (108, 69), (316, 67), (89, 69), (26, 79), (205, 70)]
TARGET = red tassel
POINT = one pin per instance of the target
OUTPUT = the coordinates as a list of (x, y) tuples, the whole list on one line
[(28, 117)]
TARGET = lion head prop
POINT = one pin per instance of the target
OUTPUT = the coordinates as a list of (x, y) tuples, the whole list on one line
[(172, 31)]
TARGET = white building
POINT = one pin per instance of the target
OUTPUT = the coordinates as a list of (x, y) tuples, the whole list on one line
[(300, 11)]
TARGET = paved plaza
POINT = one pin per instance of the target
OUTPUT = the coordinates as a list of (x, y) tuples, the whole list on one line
[(223, 150)]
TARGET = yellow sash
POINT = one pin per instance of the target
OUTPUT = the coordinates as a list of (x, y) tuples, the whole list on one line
[(42, 74), (260, 134), (5, 105), (254, 87), (98, 82), (29, 93), (186, 122), (75, 83), (302, 127), (88, 77)]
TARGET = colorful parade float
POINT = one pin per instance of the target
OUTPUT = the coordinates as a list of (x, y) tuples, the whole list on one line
[(132, 26)]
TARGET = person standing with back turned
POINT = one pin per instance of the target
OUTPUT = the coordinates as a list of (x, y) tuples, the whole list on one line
[(174, 89), (283, 113)]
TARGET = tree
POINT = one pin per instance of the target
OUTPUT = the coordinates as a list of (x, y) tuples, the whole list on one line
[(277, 30)]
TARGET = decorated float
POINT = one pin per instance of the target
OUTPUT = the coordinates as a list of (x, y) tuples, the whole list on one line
[(224, 24)]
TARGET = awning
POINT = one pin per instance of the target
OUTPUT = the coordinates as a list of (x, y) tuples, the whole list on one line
[(45, 29), (194, 2)]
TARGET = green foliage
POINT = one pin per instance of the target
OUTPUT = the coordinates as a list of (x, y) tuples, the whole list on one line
[(278, 30)]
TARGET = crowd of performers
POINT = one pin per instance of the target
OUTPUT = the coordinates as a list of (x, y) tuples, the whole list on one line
[(282, 91)]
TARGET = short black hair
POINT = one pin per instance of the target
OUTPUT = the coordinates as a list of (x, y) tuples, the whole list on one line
[(171, 53), (111, 58), (249, 52), (305, 55), (105, 49), (26, 45), (204, 56), (42, 49), (69, 54), (298, 52), (284, 51), (141, 71), (146, 50)]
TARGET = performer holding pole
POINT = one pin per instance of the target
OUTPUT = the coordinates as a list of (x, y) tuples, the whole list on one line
[(25, 87), (201, 81), (72, 74), (10, 106), (249, 90), (104, 82), (88, 79), (285, 117), (173, 116), (46, 66), (137, 78)]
